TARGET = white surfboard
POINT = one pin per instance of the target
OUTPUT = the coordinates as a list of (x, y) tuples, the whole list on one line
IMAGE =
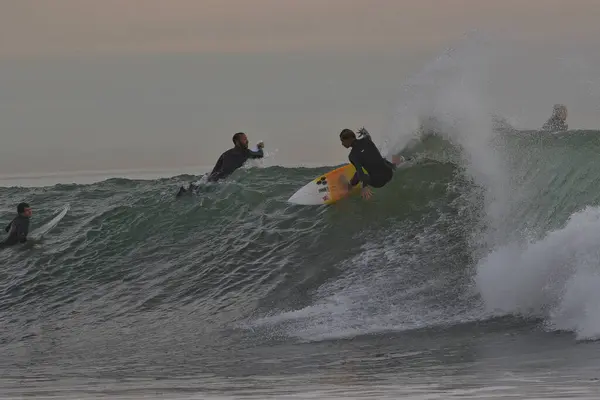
[(40, 232), (331, 186), (325, 189)]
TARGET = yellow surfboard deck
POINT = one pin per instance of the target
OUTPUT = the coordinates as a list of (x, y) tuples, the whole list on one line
[(327, 188)]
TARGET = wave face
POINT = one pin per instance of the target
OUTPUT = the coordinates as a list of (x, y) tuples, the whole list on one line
[(131, 270), (448, 279)]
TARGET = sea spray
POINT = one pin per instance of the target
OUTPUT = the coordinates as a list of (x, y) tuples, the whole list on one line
[(449, 98)]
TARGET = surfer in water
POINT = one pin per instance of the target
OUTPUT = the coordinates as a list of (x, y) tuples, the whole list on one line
[(229, 161), (558, 120), (364, 154), (18, 228)]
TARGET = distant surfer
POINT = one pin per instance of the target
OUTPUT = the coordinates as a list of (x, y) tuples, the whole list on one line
[(18, 228), (558, 120), (230, 160), (364, 154)]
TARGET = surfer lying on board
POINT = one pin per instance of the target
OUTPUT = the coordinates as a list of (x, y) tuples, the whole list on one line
[(230, 160), (364, 154), (18, 228)]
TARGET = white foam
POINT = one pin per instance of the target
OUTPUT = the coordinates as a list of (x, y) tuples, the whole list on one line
[(267, 160), (556, 278), (452, 94), (371, 296)]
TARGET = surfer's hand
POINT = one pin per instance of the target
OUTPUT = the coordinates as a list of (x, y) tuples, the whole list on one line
[(260, 145), (366, 193)]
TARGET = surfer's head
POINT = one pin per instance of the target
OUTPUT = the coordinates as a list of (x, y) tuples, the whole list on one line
[(24, 209), (240, 140), (560, 112), (347, 136)]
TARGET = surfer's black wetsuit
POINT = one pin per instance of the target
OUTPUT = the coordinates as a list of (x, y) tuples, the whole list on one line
[(364, 154), (231, 160), (227, 163), (17, 229)]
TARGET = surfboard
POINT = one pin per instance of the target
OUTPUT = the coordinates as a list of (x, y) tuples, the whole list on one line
[(40, 232), (331, 187), (327, 188)]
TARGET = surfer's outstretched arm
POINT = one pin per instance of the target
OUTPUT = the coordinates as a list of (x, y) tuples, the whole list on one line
[(256, 154)]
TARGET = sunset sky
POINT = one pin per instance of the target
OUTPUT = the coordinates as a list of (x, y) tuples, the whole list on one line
[(130, 84)]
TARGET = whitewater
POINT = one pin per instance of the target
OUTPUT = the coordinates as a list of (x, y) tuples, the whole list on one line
[(474, 274)]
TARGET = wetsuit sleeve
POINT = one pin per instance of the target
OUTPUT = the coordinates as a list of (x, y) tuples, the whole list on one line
[(7, 229), (255, 154), (354, 181), (359, 175)]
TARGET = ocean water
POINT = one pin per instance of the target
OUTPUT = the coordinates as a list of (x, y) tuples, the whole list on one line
[(427, 291), (475, 273)]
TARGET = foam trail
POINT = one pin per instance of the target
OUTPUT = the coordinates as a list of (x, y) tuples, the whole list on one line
[(384, 289), (556, 278)]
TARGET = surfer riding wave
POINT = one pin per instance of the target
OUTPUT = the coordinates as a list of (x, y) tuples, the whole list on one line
[(364, 154)]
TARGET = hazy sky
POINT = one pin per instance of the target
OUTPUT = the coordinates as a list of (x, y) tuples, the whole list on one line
[(88, 84)]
